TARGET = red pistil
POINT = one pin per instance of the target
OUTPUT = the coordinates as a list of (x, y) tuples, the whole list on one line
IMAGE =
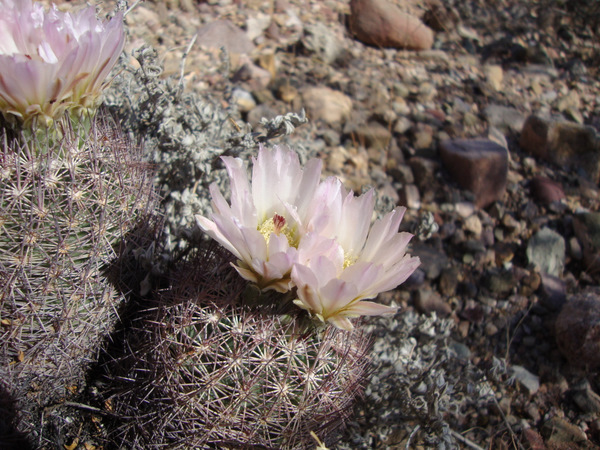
[(278, 223)]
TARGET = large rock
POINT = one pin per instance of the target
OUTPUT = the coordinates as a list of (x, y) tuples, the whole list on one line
[(323, 103), (578, 329), (382, 24), (478, 165), (562, 143)]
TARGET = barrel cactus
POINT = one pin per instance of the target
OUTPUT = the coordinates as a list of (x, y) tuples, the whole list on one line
[(65, 204), (208, 368)]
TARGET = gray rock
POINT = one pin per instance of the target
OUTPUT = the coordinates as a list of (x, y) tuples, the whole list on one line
[(243, 99), (504, 118), (558, 430), (428, 301), (223, 33), (322, 41), (546, 250), (432, 260), (585, 397), (526, 379), (462, 351)]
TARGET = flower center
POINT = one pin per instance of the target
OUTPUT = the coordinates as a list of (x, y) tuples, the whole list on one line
[(349, 260), (278, 225)]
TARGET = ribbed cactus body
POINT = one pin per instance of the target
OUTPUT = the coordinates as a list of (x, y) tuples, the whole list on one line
[(64, 205), (211, 373)]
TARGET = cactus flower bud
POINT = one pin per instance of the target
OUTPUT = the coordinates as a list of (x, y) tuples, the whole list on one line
[(53, 61)]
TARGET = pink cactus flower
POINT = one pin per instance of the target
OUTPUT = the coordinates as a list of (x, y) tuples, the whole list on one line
[(288, 230), (267, 218), (346, 262), (53, 61)]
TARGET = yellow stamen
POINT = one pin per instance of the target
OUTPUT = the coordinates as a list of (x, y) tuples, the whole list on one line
[(278, 225), (349, 260)]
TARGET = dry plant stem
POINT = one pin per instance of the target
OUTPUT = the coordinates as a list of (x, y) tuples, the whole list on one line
[(508, 427), (412, 434), (137, 2), (184, 58), (465, 440)]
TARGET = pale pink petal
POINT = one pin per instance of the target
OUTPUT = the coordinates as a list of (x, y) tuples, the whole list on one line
[(242, 206), (356, 221), (341, 322), (279, 266), (276, 175), (69, 56), (308, 186), (277, 244), (213, 231), (324, 269), (255, 243), (219, 204), (364, 308), (307, 285), (337, 295), (394, 276), (313, 245), (246, 274), (380, 232), (364, 275), (325, 209), (393, 249)]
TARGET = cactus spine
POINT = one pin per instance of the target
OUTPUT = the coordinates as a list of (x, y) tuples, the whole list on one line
[(210, 372), (65, 202)]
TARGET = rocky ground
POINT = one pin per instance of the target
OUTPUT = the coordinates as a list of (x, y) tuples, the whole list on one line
[(486, 132)]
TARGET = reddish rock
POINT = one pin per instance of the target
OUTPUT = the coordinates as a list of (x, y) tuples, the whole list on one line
[(578, 329), (478, 165), (532, 440), (562, 143), (545, 190), (382, 24)]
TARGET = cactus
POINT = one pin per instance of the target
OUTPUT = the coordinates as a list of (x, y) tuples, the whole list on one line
[(64, 205), (206, 370)]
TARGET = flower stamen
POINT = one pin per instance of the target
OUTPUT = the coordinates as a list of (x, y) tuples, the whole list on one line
[(278, 225)]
